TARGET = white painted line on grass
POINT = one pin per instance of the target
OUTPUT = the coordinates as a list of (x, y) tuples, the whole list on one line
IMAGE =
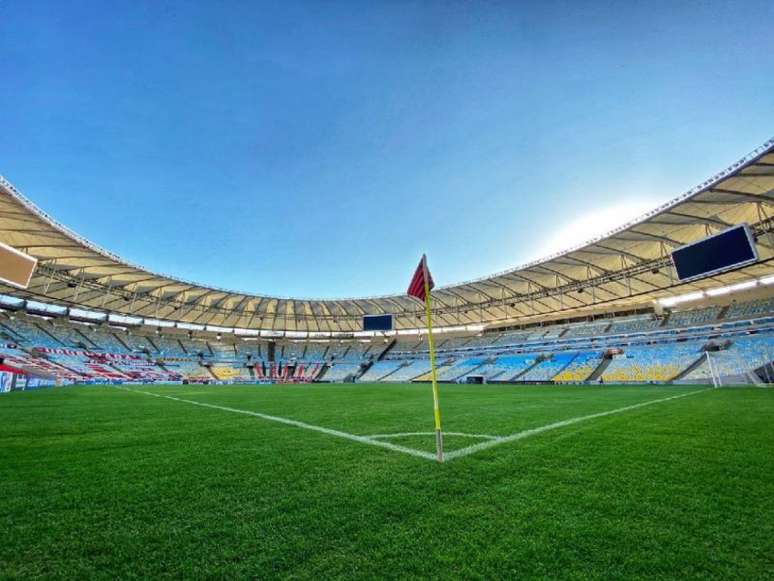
[(534, 431), (297, 424), (372, 440), (408, 434)]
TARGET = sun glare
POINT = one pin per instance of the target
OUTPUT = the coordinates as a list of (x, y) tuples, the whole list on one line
[(591, 224)]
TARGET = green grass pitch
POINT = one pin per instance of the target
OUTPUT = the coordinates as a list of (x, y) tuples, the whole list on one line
[(98, 482)]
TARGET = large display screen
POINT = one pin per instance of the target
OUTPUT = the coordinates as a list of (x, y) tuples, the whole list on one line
[(16, 268), (726, 250), (377, 323)]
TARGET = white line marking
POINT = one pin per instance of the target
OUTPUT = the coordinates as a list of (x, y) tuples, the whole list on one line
[(534, 431), (461, 453), (407, 434), (297, 424)]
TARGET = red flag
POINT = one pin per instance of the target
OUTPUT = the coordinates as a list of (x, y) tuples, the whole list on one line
[(417, 286)]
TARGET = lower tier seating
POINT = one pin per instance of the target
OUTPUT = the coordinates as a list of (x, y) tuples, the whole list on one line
[(652, 363)]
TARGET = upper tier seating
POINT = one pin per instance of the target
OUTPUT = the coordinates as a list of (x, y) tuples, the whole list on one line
[(553, 332), (317, 351), (169, 346), (68, 335), (453, 343), (480, 341), (253, 349), (633, 325), (195, 347), (409, 345), (693, 317), (30, 333), (359, 351), (587, 329), (138, 343), (750, 309), (223, 352), (104, 340), (510, 338)]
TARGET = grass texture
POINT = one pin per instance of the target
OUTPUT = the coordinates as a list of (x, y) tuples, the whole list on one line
[(98, 482)]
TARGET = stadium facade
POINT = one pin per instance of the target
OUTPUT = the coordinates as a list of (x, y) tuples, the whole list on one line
[(611, 309)]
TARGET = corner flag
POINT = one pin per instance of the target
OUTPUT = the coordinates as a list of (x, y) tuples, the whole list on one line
[(419, 288)]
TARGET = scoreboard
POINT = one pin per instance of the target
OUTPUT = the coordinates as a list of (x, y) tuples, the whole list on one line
[(377, 323), (726, 250)]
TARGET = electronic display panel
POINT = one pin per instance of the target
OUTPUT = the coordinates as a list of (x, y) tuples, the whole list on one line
[(726, 250)]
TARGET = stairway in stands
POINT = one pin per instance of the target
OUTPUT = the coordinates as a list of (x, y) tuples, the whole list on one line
[(389, 347), (702, 360), (603, 365)]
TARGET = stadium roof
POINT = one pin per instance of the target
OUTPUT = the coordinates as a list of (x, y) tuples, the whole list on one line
[(625, 268)]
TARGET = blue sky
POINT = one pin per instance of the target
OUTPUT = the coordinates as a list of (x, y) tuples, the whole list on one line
[(317, 149)]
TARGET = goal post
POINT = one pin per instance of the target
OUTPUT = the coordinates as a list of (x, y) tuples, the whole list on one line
[(729, 368), (716, 380)]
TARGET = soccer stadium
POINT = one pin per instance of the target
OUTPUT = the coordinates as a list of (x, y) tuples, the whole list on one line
[(602, 412)]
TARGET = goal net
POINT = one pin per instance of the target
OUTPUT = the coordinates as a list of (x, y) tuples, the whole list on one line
[(729, 368)]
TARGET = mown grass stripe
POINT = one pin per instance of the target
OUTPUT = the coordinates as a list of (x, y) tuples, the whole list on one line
[(462, 452), (297, 424)]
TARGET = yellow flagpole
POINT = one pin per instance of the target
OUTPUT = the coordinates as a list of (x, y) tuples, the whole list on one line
[(431, 346)]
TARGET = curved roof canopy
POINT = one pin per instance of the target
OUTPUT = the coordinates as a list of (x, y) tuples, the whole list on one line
[(628, 267)]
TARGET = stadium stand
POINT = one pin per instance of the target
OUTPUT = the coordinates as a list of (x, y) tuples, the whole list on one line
[(656, 363), (14, 357), (317, 351), (750, 309), (223, 352), (380, 370), (508, 367), (459, 369), (410, 371), (195, 347), (138, 343), (69, 335), (187, 369), (359, 351), (107, 341), (587, 329), (549, 367), (538, 305), (580, 368), (693, 317), (737, 336), (31, 333), (633, 325), (169, 346), (252, 350), (744, 354), (341, 371), (225, 372)]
